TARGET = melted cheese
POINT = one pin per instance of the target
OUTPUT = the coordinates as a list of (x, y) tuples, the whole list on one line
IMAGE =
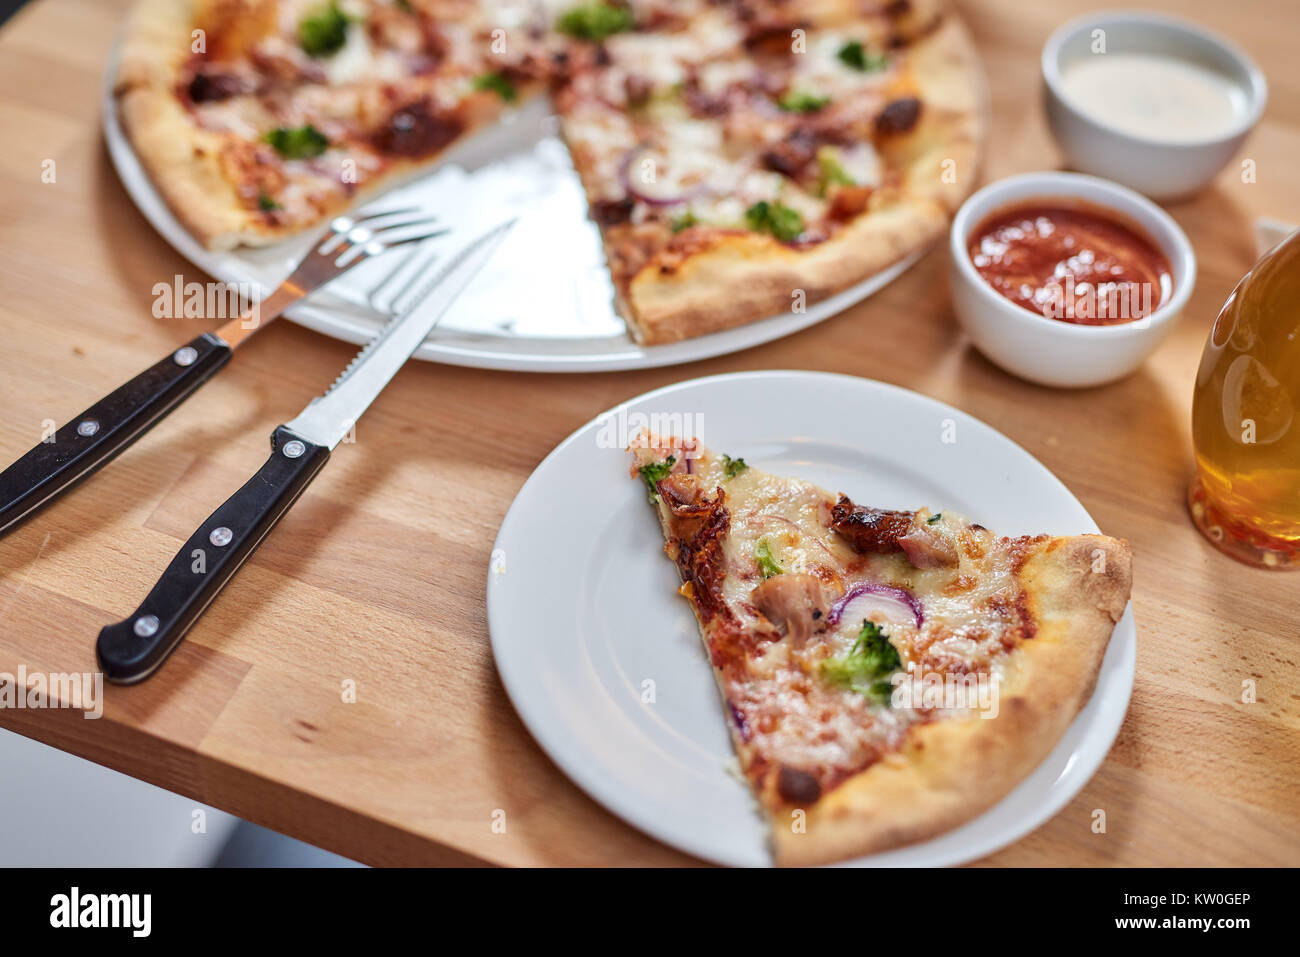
[(717, 161), (692, 154), (662, 58), (244, 116), (716, 77), (793, 716), (605, 138), (861, 163), (358, 61), (820, 71)]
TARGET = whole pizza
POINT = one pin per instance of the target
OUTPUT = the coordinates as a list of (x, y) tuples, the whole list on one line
[(741, 157)]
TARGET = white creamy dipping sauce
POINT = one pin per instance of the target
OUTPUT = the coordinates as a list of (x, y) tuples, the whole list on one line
[(1155, 97)]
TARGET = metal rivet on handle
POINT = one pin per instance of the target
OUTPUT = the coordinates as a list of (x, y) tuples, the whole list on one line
[(146, 626), (294, 448), (87, 427), (221, 536), (185, 355)]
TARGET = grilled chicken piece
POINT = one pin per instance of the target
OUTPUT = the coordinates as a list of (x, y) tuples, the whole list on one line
[(870, 529), (927, 548), (884, 532), (795, 603)]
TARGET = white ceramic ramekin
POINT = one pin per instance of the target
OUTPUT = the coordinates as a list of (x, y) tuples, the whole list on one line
[(1160, 169), (1051, 351)]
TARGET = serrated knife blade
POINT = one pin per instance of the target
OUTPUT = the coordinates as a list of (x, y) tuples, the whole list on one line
[(329, 418)]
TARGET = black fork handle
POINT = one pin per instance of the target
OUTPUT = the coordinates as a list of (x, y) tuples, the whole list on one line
[(91, 439)]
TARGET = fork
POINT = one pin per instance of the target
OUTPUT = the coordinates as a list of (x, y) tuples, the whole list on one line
[(115, 421)]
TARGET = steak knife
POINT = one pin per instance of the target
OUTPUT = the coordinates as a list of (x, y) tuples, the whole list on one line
[(131, 650)]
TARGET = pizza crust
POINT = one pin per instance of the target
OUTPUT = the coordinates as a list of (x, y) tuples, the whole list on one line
[(743, 276), (949, 772), (155, 43), (182, 160), (184, 164), (740, 276)]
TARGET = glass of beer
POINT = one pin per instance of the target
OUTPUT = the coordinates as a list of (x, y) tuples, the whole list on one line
[(1246, 417)]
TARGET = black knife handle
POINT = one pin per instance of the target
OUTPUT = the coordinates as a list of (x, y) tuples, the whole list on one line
[(106, 428), (130, 650)]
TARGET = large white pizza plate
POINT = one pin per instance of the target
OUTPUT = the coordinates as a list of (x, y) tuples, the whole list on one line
[(603, 660), (545, 302)]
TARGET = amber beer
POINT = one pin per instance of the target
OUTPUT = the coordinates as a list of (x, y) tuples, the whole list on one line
[(1246, 417)]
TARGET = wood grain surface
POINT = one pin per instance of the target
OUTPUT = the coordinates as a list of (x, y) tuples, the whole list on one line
[(378, 574)]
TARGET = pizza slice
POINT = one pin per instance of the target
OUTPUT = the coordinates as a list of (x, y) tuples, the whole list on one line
[(887, 675), (258, 119), (744, 160)]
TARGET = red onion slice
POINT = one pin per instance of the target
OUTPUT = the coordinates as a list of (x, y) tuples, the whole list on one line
[(739, 718), (653, 194), (890, 603)]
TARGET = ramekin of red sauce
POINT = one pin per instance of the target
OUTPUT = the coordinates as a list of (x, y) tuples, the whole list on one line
[(1066, 279), (1071, 262)]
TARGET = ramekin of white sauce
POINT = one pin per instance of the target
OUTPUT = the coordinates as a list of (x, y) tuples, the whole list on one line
[(1152, 102)]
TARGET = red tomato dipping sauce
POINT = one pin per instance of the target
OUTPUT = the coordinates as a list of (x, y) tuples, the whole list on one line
[(1071, 263)]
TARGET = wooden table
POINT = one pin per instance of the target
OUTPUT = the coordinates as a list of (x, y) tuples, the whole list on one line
[(378, 575)]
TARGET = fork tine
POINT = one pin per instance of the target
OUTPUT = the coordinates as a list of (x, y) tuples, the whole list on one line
[(338, 232), (377, 220), (342, 225), (376, 294), (348, 221), (351, 241), (405, 240), (380, 228), (364, 214), (414, 279), (334, 245), (366, 231), (377, 246)]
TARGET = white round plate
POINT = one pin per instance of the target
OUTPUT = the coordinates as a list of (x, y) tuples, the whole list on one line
[(545, 301), (586, 622)]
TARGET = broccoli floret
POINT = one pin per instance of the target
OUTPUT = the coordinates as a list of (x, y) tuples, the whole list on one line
[(781, 221), (595, 21), (733, 467), (766, 563), (802, 102), (323, 31), (684, 221), (853, 54), (303, 142), (652, 473), (867, 666), (498, 84)]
